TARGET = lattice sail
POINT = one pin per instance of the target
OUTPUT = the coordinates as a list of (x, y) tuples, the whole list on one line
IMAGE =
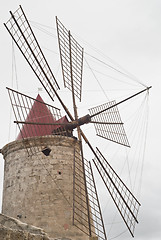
[(21, 32), (33, 111), (108, 124), (90, 220), (124, 200), (71, 54)]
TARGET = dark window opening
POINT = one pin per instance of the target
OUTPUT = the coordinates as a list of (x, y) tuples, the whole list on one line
[(46, 151)]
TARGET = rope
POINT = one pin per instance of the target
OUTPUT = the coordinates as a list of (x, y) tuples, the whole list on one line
[(50, 50), (124, 72), (145, 142), (14, 73), (139, 145), (14, 66), (128, 167), (114, 78), (117, 70), (118, 235), (97, 81), (40, 28), (40, 24)]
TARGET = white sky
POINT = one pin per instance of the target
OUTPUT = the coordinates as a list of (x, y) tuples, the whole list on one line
[(128, 31)]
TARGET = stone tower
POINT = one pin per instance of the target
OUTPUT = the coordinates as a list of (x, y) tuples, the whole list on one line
[(38, 189)]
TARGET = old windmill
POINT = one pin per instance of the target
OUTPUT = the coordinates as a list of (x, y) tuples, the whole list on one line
[(106, 119)]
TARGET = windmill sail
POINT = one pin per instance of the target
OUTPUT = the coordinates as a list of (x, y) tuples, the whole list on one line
[(33, 111), (86, 216), (45, 119), (108, 124), (125, 201), (71, 54), (21, 32)]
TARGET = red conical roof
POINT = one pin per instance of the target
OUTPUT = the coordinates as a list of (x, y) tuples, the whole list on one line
[(39, 113)]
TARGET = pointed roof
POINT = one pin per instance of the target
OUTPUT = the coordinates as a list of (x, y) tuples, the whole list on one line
[(39, 113)]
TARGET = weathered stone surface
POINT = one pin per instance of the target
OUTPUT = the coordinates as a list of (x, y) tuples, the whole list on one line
[(13, 229), (38, 190), (13, 223)]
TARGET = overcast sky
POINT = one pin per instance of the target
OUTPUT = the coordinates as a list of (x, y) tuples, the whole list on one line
[(127, 31)]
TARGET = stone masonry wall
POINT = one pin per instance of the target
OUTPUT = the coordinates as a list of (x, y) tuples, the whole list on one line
[(38, 190), (13, 229)]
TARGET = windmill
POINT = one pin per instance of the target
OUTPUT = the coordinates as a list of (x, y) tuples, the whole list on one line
[(106, 119)]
